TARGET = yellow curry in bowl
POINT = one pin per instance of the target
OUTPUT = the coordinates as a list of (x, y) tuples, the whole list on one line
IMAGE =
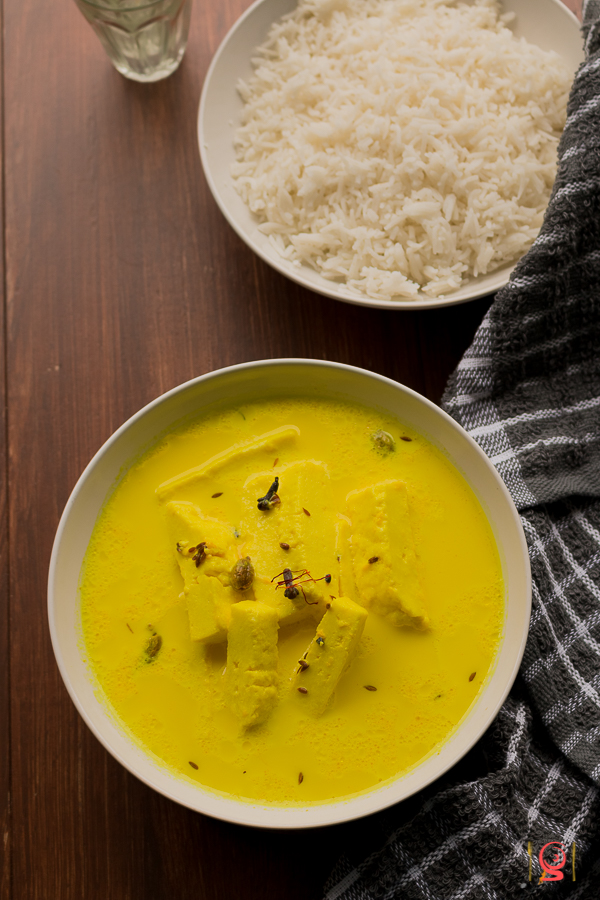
[(291, 602)]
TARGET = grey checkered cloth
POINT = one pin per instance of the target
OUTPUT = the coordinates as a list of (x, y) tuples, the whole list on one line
[(528, 390)]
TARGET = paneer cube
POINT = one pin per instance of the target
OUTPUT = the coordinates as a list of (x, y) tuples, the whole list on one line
[(209, 609), (329, 654), (205, 586), (383, 554), (302, 521), (187, 528), (251, 678)]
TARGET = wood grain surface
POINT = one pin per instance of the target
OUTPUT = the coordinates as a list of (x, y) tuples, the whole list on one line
[(122, 279)]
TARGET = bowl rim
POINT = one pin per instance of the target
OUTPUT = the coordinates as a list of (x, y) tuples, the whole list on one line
[(469, 291), (228, 807)]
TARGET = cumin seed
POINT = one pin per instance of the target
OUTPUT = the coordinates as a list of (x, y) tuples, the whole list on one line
[(218, 494), (303, 690), (305, 511), (472, 676), (373, 559), (193, 765), (369, 687), (300, 778)]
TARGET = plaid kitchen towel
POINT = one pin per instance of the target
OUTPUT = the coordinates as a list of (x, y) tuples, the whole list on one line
[(528, 390)]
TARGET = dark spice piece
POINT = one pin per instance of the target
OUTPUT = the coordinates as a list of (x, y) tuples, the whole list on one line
[(271, 498), (369, 687), (405, 439), (153, 646), (218, 494), (303, 690), (305, 511), (129, 626), (472, 676), (300, 778), (275, 462), (284, 546), (320, 641), (200, 555), (373, 559), (193, 765)]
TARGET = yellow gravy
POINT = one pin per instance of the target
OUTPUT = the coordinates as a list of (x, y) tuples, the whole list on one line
[(404, 687)]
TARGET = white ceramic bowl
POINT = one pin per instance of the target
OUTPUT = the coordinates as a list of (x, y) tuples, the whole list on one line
[(547, 23), (245, 383)]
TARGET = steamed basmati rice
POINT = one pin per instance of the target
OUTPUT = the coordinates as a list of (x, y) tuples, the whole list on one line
[(399, 145)]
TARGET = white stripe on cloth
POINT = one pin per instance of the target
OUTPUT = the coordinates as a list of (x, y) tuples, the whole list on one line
[(549, 413), (576, 737), (342, 885), (533, 811), (524, 281), (474, 362), (579, 572), (572, 831), (494, 441), (557, 440), (585, 69), (583, 110), (537, 548), (548, 538), (573, 703), (476, 880), (539, 666), (463, 399), (492, 819), (520, 720), (584, 686), (586, 525)]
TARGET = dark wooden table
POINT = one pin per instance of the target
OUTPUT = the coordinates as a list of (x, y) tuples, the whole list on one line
[(121, 280)]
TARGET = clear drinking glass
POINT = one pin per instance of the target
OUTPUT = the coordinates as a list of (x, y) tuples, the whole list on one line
[(145, 39)]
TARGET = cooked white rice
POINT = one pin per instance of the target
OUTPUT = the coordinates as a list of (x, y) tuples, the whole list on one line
[(399, 145)]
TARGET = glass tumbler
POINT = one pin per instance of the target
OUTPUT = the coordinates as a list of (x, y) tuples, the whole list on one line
[(145, 39)]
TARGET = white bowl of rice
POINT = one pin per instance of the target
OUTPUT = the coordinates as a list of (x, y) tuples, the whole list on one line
[(389, 153)]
